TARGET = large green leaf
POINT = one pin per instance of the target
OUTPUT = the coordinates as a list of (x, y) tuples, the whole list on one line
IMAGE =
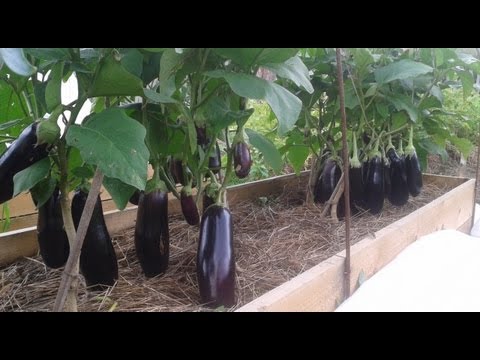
[(154, 50), (114, 142), (15, 59), (119, 191), (399, 70), (28, 178), (267, 148), (260, 56), (53, 91), (112, 79), (9, 124), (293, 69), (404, 102), (363, 57), (10, 104), (296, 155), (470, 61), (169, 63), (132, 61), (55, 54), (284, 104)]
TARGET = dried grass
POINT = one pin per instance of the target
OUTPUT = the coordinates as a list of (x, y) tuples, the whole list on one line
[(275, 240)]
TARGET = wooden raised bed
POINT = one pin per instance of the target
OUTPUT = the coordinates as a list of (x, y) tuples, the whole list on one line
[(317, 289)]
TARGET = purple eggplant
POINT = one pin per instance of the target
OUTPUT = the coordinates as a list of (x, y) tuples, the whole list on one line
[(98, 261), (189, 207), (215, 258), (152, 239), (374, 188), (398, 195), (414, 174), (22, 153), (52, 238), (242, 160), (176, 170), (135, 197), (215, 161)]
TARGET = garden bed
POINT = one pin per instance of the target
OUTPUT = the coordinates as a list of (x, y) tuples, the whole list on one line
[(276, 238)]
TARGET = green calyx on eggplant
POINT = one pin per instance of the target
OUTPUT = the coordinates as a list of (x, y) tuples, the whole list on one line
[(399, 193), (414, 171), (48, 131), (22, 153), (357, 193), (98, 261), (189, 207), (215, 258), (152, 238), (51, 235), (210, 195), (242, 160)]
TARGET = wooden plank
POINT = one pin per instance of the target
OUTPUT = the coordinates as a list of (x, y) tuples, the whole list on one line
[(23, 205), (321, 287), (18, 242)]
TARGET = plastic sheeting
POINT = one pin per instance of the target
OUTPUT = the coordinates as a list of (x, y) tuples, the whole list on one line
[(438, 272)]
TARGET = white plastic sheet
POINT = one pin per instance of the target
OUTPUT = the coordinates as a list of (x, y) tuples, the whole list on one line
[(438, 272)]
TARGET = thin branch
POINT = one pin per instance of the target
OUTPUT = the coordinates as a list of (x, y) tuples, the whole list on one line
[(68, 276)]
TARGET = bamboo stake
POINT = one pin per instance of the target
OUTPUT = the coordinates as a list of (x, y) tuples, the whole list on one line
[(346, 167)]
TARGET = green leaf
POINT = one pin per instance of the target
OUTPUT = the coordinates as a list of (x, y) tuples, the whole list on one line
[(169, 63), (371, 90), (49, 54), (28, 178), (399, 70), (112, 79), (154, 50), (404, 102), (158, 98), (114, 142), (119, 191), (15, 59), (43, 190), (467, 82), (53, 91), (297, 155), (398, 120), (219, 115), (9, 124), (248, 57), (267, 148), (83, 172), (10, 104), (463, 145), (284, 104), (132, 61), (470, 61), (363, 57), (293, 69), (439, 59)]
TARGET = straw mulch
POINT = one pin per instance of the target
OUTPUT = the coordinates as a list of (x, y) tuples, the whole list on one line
[(275, 239)]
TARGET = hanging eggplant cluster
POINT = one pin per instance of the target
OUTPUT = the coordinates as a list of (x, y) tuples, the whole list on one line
[(375, 174), (98, 261)]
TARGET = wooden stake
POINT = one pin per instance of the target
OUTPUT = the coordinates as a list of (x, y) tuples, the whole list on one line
[(346, 167)]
